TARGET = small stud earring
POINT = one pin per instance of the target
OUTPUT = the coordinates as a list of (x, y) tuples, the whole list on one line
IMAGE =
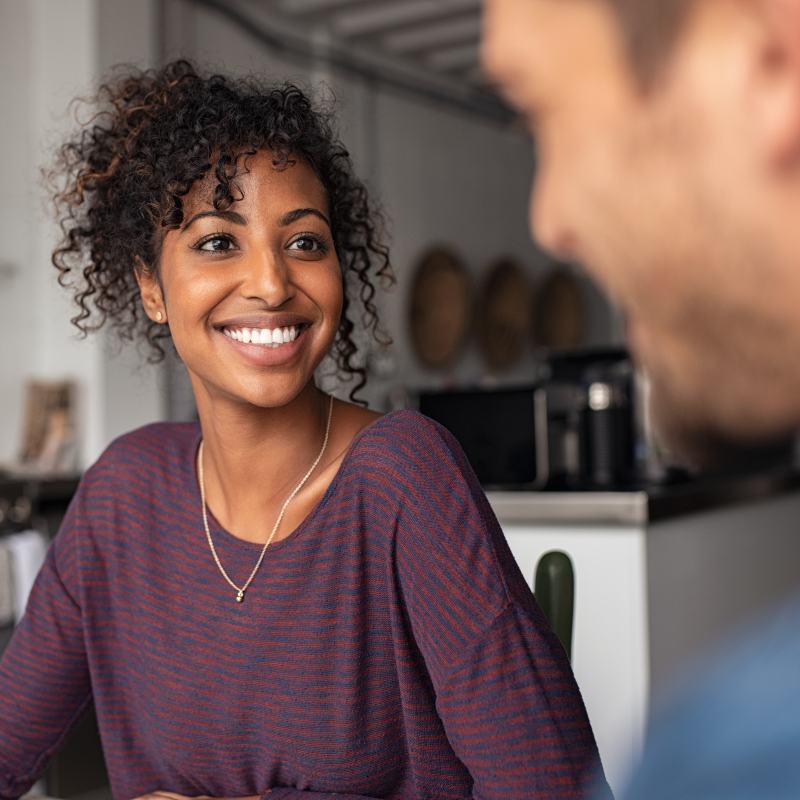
[(159, 316)]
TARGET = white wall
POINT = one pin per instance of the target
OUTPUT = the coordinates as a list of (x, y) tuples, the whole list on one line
[(18, 320), (448, 178), (53, 51), (47, 52), (133, 390)]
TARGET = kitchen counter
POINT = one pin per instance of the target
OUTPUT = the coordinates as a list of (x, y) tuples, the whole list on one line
[(662, 574), (636, 507)]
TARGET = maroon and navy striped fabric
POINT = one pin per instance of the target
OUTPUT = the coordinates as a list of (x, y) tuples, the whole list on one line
[(389, 647)]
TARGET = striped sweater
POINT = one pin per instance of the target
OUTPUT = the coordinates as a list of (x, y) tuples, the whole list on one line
[(388, 647)]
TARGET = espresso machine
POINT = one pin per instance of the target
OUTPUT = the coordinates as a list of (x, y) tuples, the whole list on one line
[(573, 428), (591, 419), (582, 425)]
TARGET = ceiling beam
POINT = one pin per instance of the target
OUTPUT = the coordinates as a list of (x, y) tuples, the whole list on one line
[(382, 16), (463, 56), (406, 76), (456, 30), (298, 7)]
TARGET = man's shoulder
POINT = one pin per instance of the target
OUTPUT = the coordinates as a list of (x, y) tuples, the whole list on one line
[(733, 724)]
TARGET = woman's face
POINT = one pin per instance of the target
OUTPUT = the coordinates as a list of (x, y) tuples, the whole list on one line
[(252, 294)]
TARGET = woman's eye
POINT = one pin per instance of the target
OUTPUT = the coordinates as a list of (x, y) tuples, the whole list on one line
[(308, 244), (215, 244)]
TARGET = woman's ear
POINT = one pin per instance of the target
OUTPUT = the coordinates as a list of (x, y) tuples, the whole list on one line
[(150, 291)]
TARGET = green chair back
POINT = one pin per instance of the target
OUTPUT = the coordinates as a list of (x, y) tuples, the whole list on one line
[(554, 588)]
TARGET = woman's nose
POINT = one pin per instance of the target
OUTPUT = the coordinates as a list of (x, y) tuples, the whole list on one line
[(266, 278)]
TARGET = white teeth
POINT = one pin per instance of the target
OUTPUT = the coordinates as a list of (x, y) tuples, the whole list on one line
[(274, 337)]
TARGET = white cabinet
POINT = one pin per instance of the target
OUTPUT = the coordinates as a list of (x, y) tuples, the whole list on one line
[(652, 595)]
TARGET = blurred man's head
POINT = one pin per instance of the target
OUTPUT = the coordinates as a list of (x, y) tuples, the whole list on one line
[(668, 140)]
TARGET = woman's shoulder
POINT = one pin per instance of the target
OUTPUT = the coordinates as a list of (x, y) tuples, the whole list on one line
[(154, 440), (147, 452), (408, 434), (150, 466), (409, 444), (420, 486)]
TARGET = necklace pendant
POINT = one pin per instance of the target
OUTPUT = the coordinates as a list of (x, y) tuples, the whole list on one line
[(240, 596)]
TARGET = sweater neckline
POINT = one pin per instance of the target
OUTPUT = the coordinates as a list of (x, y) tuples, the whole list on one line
[(217, 529)]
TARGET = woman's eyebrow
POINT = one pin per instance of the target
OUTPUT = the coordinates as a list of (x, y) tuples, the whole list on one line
[(299, 213), (230, 216)]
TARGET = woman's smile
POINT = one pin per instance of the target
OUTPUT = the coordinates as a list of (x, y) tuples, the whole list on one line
[(266, 345), (275, 337)]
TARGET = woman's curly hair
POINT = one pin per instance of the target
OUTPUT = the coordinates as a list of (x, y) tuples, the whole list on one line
[(119, 186)]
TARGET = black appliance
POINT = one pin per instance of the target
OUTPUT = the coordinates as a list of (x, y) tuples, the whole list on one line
[(498, 431), (573, 429), (581, 426)]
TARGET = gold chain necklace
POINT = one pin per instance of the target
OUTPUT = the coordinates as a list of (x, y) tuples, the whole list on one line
[(240, 590)]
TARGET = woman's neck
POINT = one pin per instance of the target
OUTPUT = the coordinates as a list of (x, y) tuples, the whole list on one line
[(254, 457)]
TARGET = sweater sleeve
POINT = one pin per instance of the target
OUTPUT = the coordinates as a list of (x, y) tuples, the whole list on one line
[(44, 677), (505, 691), (514, 715)]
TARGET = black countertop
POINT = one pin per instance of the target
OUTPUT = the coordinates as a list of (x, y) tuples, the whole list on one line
[(640, 505)]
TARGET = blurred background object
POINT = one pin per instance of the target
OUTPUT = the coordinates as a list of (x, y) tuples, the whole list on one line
[(440, 308), (504, 315), (48, 443), (560, 316)]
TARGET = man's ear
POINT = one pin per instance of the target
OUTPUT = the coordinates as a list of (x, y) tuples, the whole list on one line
[(150, 291), (777, 87)]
